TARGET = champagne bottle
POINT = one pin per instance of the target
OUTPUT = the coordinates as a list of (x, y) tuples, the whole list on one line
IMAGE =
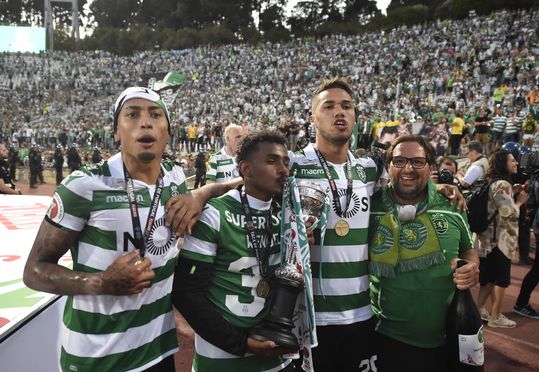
[(464, 330)]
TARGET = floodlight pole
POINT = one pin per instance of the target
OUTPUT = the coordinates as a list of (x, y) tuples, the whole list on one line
[(49, 19)]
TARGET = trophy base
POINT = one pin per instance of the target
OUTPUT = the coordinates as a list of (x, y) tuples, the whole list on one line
[(282, 337)]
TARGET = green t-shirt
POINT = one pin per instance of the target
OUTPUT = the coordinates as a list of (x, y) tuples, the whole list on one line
[(412, 306)]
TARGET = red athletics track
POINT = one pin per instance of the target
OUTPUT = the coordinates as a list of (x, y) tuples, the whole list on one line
[(507, 350)]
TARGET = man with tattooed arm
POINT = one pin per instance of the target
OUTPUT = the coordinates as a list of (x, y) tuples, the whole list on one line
[(116, 220)]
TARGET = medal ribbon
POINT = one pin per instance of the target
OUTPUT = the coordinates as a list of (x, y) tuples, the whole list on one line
[(139, 238), (333, 186), (262, 264)]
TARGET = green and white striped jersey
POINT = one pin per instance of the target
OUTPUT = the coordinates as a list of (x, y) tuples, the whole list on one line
[(220, 238), (222, 167), (340, 268), (498, 123), (105, 332)]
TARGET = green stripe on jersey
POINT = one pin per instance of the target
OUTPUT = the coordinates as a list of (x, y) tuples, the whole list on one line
[(252, 363), (310, 171), (74, 204), (160, 272), (96, 324), (180, 188), (196, 256), (204, 232), (121, 361), (316, 172), (225, 162), (341, 303), (101, 238), (118, 199), (340, 270), (164, 271)]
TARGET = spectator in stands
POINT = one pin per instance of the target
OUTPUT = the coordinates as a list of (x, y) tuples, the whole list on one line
[(522, 305), (222, 165), (74, 161), (497, 245), (7, 184), (200, 170), (476, 167)]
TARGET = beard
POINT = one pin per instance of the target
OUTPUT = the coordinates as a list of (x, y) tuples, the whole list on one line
[(410, 194), (146, 156)]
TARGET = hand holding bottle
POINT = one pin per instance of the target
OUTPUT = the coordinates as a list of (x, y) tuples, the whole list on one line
[(464, 328), (467, 276)]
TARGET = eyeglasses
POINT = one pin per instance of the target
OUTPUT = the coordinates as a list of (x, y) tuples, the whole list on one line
[(401, 161)]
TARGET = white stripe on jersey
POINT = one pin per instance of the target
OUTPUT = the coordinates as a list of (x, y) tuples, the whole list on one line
[(96, 346), (340, 253), (211, 217), (205, 349), (196, 245), (72, 222), (343, 317), (341, 287), (96, 257)]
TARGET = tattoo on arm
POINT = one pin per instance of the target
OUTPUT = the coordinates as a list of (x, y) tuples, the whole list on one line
[(42, 271)]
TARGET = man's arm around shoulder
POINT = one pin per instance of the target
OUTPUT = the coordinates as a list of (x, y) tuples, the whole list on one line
[(183, 211)]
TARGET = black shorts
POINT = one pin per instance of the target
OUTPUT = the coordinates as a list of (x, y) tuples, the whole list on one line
[(344, 348), (495, 268)]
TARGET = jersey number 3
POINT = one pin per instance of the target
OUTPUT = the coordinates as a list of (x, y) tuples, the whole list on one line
[(232, 302)]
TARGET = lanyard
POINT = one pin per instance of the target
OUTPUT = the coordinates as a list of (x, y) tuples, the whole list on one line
[(139, 239), (262, 261), (333, 186)]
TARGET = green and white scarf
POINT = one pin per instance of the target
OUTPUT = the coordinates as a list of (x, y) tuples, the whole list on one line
[(404, 246)]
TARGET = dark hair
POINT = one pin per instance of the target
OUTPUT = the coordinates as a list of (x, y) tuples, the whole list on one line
[(430, 152), (498, 166), (337, 82), (476, 146), (389, 130), (249, 143), (447, 159)]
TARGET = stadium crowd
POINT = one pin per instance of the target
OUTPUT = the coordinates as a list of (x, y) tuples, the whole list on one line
[(412, 76), (469, 87)]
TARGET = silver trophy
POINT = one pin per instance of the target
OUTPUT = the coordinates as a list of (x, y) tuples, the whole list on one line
[(312, 198), (289, 281)]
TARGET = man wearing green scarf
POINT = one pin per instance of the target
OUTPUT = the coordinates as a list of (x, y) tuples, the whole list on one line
[(416, 236)]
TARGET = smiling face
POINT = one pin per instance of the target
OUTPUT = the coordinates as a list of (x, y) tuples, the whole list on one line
[(333, 116), (409, 183), (512, 165), (142, 130)]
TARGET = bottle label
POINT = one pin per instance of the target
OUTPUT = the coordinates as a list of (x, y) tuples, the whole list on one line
[(472, 348)]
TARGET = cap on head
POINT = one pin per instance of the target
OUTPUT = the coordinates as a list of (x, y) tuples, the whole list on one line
[(139, 92)]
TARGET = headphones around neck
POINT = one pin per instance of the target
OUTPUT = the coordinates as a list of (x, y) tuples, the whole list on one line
[(407, 212)]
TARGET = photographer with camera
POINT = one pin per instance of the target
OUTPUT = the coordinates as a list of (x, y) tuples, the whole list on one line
[(445, 174), (378, 152), (476, 167)]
